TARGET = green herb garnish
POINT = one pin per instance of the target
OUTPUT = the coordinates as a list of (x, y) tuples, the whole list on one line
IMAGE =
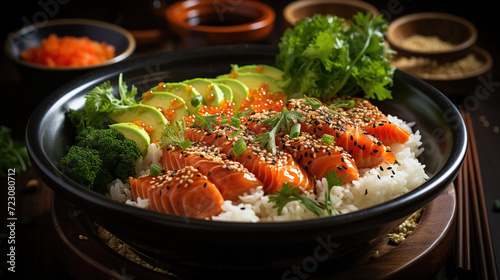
[(288, 194), (205, 122), (14, 153), (313, 102), (175, 134), (324, 55), (100, 102), (349, 104), (280, 122)]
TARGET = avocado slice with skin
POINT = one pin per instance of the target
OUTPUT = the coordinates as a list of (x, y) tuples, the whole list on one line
[(149, 115), (263, 69), (134, 132), (254, 81), (228, 92), (210, 91), (188, 93), (167, 102), (240, 90)]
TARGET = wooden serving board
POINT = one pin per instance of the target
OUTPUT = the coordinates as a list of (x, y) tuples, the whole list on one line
[(420, 256)]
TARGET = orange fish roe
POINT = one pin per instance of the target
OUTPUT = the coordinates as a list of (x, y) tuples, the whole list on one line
[(260, 100), (225, 108), (169, 113), (142, 125), (68, 51)]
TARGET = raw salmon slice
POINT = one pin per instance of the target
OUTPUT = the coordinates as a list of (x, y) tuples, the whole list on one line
[(185, 192), (366, 150), (317, 157), (369, 117), (272, 170), (231, 178)]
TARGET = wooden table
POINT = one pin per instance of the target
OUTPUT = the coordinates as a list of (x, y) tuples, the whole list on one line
[(35, 232)]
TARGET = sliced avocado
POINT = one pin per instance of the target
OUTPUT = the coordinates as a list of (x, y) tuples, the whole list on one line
[(149, 115), (187, 92), (172, 106), (240, 90), (263, 69), (228, 92), (134, 132), (211, 93), (254, 81)]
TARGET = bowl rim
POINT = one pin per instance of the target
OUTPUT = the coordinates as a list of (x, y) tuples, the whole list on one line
[(470, 41), (488, 59), (268, 16), (34, 131), (71, 21), (300, 4)]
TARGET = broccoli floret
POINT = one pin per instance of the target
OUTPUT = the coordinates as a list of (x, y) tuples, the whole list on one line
[(115, 155), (82, 165)]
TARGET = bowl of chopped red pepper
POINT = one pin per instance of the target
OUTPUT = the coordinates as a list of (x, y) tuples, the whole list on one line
[(54, 52)]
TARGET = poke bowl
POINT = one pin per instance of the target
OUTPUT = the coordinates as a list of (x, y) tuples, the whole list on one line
[(196, 246)]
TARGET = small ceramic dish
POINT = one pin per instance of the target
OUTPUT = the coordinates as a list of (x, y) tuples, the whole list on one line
[(201, 22), (49, 78), (459, 32), (298, 10)]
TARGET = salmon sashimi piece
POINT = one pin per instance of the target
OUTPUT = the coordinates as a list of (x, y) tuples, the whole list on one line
[(319, 158), (253, 122), (231, 178), (316, 157), (271, 169), (366, 150), (185, 192), (369, 117)]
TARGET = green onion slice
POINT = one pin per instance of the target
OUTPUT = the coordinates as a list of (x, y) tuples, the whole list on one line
[(295, 131), (328, 139), (155, 170), (239, 147), (235, 122), (235, 134)]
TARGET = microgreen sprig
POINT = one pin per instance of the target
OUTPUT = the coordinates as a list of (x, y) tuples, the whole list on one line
[(280, 122), (288, 194)]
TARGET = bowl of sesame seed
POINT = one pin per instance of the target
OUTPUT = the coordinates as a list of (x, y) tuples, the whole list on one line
[(439, 36)]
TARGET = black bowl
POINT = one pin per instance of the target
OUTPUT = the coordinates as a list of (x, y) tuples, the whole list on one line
[(48, 78), (193, 245)]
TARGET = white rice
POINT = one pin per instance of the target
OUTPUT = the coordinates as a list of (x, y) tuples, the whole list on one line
[(375, 186)]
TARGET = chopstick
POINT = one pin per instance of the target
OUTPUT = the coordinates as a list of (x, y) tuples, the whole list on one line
[(470, 176), (463, 254)]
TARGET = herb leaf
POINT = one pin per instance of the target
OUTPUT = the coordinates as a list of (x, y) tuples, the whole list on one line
[(280, 122), (323, 56), (99, 102), (349, 104), (288, 194), (175, 134), (205, 122)]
